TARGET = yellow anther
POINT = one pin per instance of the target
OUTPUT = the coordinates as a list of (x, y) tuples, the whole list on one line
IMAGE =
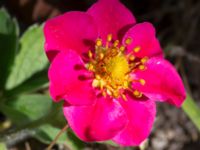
[(104, 93), (128, 41), (109, 37), (141, 67), (124, 97), (116, 94), (137, 94), (116, 43), (99, 42), (142, 81), (95, 83), (109, 92), (90, 67), (144, 60), (90, 54), (136, 49), (97, 77), (101, 56), (101, 84), (131, 57), (126, 83), (132, 65), (122, 48)]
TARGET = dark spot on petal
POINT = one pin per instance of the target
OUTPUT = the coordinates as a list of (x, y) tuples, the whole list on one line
[(130, 94), (123, 30), (82, 77), (79, 67), (89, 135), (51, 54)]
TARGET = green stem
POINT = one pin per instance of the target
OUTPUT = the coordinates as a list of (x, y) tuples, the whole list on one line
[(192, 110)]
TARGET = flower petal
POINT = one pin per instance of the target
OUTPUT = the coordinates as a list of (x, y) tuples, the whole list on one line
[(143, 37), (98, 122), (69, 79), (73, 30), (141, 114), (112, 17), (162, 82)]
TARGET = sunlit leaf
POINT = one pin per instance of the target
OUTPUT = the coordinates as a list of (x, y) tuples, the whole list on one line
[(3, 146), (192, 110), (30, 58), (37, 81)]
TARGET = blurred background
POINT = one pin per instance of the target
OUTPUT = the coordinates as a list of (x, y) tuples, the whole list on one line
[(178, 28)]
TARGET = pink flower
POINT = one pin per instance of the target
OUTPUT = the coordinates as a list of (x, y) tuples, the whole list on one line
[(109, 71)]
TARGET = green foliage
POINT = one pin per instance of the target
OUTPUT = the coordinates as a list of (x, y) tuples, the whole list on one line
[(30, 58), (192, 110), (27, 108), (3, 146), (36, 81), (47, 133), (9, 32)]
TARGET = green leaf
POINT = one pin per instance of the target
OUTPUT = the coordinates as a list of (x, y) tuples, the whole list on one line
[(37, 81), (9, 32), (47, 133), (109, 142), (3, 146), (27, 108), (192, 110), (31, 57), (73, 142)]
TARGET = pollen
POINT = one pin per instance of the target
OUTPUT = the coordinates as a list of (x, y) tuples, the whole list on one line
[(141, 67), (144, 60), (109, 37), (142, 81), (136, 49), (112, 68), (128, 41), (137, 94), (90, 54), (98, 42), (122, 48)]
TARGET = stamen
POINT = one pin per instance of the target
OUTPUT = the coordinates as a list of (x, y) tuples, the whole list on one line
[(101, 56), (142, 81), (131, 58), (122, 48), (95, 83), (128, 41), (144, 60), (90, 67), (109, 37), (112, 68), (136, 49), (137, 94), (141, 67), (116, 43), (99, 42), (97, 77), (90, 54), (124, 97)]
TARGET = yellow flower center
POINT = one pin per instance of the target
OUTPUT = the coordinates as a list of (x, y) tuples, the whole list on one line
[(112, 67), (117, 67)]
